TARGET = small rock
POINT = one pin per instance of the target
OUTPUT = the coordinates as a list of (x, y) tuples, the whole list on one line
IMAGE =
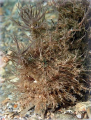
[(14, 80), (69, 111), (79, 115), (10, 62), (10, 97)]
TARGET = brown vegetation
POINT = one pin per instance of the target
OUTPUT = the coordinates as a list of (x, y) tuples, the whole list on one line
[(50, 69)]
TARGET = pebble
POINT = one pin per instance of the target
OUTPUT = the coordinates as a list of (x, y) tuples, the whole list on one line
[(14, 80), (10, 97), (79, 115)]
